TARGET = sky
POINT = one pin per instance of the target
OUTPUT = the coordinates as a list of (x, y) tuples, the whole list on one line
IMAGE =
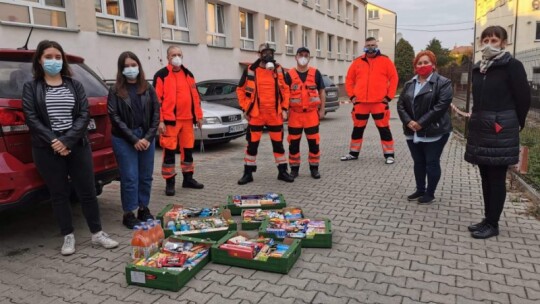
[(433, 15)]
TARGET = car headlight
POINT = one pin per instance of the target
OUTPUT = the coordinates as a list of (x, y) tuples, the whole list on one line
[(211, 120)]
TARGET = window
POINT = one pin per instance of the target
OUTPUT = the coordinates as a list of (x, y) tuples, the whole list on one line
[(355, 16), (270, 32), (318, 4), (373, 33), (289, 45), (339, 9), (510, 31), (340, 79), (215, 25), (318, 43), (339, 48), (330, 45), (538, 30), (305, 37), (37, 12), (355, 49), (117, 16), (246, 31), (347, 49), (175, 21), (348, 13), (329, 7), (373, 14)]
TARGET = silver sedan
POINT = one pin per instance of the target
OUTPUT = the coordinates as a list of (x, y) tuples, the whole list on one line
[(220, 123)]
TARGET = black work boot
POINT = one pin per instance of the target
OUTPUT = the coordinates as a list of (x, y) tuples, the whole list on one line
[(248, 175), (294, 171), (169, 187), (283, 174), (190, 182), (315, 172)]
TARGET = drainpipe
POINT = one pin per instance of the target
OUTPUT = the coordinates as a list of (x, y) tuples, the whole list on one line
[(516, 27)]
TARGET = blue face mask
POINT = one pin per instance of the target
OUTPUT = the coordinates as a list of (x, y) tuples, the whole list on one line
[(371, 50), (131, 72), (52, 66)]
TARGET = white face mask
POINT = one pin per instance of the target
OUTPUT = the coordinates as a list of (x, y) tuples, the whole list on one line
[(176, 61), (270, 66), (303, 61), (489, 51), (131, 72)]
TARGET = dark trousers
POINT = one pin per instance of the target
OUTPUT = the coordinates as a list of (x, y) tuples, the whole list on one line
[(56, 171), (494, 191), (427, 163)]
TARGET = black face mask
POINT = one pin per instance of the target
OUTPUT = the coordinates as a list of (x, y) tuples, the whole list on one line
[(268, 58)]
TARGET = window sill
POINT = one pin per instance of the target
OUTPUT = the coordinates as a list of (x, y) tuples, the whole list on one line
[(180, 42), (341, 60), (122, 36), (319, 11), (290, 54), (341, 20), (44, 27), (320, 57), (307, 5), (249, 50), (220, 47), (331, 16)]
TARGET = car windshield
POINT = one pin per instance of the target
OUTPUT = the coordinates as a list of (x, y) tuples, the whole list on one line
[(327, 81), (14, 74)]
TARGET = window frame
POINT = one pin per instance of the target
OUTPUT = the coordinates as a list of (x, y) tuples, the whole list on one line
[(245, 41), (537, 36), (40, 4), (270, 31), (305, 37), (215, 36), (318, 43), (329, 45), (371, 14), (289, 44), (176, 27), (121, 18), (372, 31)]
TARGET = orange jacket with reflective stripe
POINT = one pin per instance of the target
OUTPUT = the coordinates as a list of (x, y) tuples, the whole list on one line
[(304, 95), (371, 79), (249, 95), (165, 85)]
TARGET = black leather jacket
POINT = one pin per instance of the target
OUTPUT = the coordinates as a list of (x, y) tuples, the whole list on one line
[(430, 107), (120, 113), (37, 117)]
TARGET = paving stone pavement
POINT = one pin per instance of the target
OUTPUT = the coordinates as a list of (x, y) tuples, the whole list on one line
[(386, 249)]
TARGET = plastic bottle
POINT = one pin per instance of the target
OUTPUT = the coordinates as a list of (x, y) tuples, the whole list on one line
[(160, 232), (153, 236), (146, 242), (136, 244)]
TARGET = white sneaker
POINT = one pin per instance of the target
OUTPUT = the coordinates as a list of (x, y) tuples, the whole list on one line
[(348, 157), (69, 245), (101, 238), (389, 160)]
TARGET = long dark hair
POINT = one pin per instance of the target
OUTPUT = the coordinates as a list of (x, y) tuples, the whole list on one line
[(121, 80), (37, 68)]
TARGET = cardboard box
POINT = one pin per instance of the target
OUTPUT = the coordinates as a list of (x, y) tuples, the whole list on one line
[(249, 223), (161, 278), (212, 233), (319, 240), (253, 201), (272, 264)]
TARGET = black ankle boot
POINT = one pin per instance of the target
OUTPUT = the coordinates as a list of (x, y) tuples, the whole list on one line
[(294, 171), (248, 175), (283, 174), (477, 226), (486, 231), (190, 182), (315, 172), (169, 186)]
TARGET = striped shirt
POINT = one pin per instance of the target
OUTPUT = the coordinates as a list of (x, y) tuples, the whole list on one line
[(60, 103)]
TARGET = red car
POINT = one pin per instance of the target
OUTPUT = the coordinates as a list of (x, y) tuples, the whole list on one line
[(20, 182)]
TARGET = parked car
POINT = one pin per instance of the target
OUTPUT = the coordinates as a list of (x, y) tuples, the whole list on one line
[(220, 123), (20, 183), (223, 91), (332, 95)]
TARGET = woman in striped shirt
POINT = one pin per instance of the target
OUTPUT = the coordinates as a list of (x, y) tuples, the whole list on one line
[(56, 111)]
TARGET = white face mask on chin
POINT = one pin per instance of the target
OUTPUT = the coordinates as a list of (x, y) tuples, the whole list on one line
[(489, 51)]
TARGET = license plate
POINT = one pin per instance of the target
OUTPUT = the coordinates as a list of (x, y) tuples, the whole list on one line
[(332, 94), (234, 129), (92, 124)]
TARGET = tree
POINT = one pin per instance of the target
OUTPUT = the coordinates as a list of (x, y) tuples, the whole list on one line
[(404, 61), (442, 54)]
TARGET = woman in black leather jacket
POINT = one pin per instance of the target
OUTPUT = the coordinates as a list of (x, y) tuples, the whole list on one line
[(502, 98), (134, 112), (56, 111), (423, 109)]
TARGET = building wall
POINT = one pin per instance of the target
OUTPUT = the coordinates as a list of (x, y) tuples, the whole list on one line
[(385, 24), (83, 37), (522, 41)]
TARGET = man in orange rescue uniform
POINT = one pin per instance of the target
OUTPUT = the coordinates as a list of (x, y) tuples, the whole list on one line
[(180, 110), (306, 107), (371, 83), (264, 97)]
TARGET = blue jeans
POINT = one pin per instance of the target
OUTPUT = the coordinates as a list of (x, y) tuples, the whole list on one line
[(136, 169), (427, 162)]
